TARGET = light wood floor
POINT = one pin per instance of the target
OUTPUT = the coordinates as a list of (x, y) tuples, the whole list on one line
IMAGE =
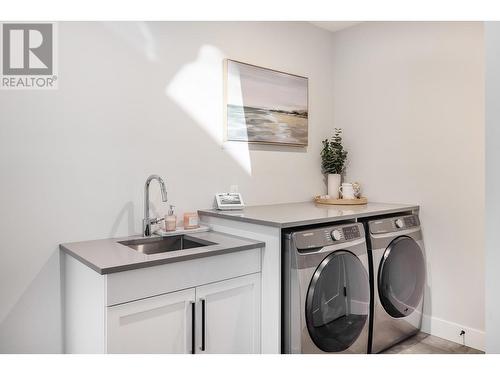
[(423, 343)]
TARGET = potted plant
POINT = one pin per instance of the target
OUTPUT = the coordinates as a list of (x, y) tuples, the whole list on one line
[(333, 157)]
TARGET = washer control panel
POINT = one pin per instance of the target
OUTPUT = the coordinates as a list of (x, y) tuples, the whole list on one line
[(336, 235), (351, 232), (393, 224), (326, 236)]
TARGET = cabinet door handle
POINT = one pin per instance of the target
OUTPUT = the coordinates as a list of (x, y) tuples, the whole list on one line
[(203, 325), (193, 309)]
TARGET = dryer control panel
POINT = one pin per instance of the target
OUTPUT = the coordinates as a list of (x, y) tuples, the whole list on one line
[(326, 236), (393, 224)]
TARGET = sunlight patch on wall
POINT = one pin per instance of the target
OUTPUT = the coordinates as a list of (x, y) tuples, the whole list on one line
[(136, 34), (198, 89)]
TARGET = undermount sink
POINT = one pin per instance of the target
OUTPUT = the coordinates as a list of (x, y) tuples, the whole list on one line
[(165, 244)]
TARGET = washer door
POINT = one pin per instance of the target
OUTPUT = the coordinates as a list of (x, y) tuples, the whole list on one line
[(401, 277), (337, 302)]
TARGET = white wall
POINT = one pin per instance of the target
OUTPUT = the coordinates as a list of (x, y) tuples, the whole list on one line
[(134, 99), (410, 97), (492, 52)]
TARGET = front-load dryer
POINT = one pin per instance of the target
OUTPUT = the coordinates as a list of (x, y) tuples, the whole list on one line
[(326, 290), (398, 275)]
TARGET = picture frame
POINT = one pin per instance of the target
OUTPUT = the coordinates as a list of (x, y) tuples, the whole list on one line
[(265, 106), (229, 201)]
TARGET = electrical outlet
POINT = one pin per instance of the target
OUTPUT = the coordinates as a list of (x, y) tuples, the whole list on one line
[(462, 335)]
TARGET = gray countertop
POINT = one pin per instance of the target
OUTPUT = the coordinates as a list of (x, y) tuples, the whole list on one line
[(109, 256), (306, 213)]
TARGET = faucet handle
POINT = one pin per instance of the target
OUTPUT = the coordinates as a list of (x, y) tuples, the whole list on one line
[(157, 220)]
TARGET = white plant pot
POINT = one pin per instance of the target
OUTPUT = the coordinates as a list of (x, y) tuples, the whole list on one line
[(333, 185)]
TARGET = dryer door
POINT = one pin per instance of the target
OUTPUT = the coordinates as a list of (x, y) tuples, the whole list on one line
[(337, 302), (401, 277)]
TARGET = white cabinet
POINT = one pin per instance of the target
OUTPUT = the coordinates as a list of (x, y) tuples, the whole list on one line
[(161, 324), (228, 316), (170, 308), (224, 316)]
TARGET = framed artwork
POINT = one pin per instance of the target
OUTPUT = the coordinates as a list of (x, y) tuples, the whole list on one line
[(264, 105)]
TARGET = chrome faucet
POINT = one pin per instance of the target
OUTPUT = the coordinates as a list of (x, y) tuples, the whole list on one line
[(147, 222)]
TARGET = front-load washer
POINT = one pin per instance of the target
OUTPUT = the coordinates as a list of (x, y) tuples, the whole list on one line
[(326, 290), (398, 273)]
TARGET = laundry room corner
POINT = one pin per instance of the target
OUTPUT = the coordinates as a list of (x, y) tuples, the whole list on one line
[(254, 187), (410, 98)]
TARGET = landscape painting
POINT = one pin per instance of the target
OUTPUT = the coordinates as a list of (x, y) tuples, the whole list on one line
[(265, 106)]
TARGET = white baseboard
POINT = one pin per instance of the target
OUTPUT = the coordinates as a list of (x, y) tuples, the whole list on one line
[(474, 338)]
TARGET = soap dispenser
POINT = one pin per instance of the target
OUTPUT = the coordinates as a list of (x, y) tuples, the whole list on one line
[(171, 220)]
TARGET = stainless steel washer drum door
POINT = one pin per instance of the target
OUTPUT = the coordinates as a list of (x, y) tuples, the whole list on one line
[(337, 303), (401, 277)]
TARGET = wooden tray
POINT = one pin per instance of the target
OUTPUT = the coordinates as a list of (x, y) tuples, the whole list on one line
[(361, 200)]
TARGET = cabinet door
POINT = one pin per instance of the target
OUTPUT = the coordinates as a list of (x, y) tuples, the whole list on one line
[(228, 316), (161, 324)]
